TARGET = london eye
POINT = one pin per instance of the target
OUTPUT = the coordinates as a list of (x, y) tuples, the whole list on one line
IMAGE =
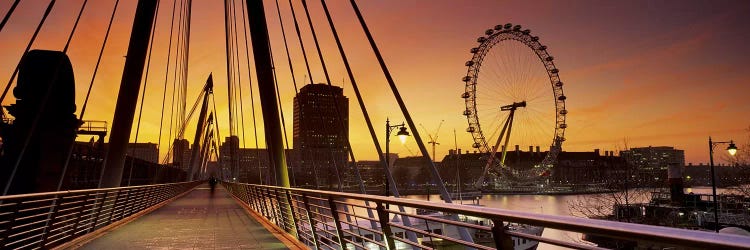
[(514, 98)]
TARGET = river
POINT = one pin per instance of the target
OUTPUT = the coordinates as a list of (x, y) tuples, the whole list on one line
[(546, 204)]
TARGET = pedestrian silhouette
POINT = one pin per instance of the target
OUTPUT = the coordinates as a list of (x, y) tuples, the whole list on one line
[(212, 182)]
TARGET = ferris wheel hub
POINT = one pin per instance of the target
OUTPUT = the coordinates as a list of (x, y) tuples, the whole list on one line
[(513, 106)]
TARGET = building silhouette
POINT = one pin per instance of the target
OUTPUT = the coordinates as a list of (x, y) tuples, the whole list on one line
[(143, 150), (252, 164), (319, 137), (652, 163), (43, 125), (181, 153)]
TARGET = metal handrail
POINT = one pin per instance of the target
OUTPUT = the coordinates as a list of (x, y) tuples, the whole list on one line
[(327, 216), (48, 220)]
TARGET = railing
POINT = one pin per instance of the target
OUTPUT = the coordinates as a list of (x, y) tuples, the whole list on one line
[(334, 220), (47, 220), (89, 126)]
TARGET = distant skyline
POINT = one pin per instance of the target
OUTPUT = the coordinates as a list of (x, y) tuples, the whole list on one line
[(659, 73)]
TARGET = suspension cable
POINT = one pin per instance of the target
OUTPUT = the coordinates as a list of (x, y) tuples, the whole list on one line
[(75, 25), (336, 105), (239, 75), (166, 76), (72, 143), (286, 46), (230, 77), (216, 124), (99, 60), (294, 81), (359, 99), (435, 175), (180, 131), (317, 45), (185, 59), (238, 83), (28, 47), (301, 43), (7, 15), (172, 126)]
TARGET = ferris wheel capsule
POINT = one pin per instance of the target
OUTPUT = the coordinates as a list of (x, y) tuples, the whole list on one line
[(508, 68)]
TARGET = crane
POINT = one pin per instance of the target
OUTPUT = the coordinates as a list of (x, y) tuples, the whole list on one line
[(433, 138)]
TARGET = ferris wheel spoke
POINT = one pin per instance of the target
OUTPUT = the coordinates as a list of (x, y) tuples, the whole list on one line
[(510, 69)]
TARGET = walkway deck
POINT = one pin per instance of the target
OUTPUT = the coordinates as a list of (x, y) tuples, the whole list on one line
[(198, 220)]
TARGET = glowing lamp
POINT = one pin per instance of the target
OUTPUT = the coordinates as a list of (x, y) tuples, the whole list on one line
[(732, 149), (402, 134)]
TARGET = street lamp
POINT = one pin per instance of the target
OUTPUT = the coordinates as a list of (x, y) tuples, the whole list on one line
[(732, 149), (402, 134)]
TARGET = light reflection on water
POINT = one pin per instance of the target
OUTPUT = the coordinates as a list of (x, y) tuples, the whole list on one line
[(543, 204)]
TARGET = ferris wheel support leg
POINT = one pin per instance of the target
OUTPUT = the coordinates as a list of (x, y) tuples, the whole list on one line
[(507, 137), (480, 181)]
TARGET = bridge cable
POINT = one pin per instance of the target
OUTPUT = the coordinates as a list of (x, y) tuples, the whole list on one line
[(230, 81), (238, 94), (173, 114), (336, 105), (301, 43), (72, 143), (436, 176), (291, 70), (70, 146), (252, 98), (181, 130), (28, 47), (166, 76), (185, 59), (99, 60), (281, 108), (179, 87), (239, 75), (362, 106), (307, 65), (216, 123), (143, 94), (7, 15)]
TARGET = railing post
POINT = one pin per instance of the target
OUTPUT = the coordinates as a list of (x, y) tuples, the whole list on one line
[(252, 199), (114, 206), (95, 216), (502, 239), (79, 217), (337, 221), (9, 225), (282, 212), (311, 221), (276, 208), (264, 197), (50, 218), (387, 233), (294, 218), (261, 202)]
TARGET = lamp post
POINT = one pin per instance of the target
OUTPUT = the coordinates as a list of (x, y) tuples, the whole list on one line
[(732, 149), (402, 134)]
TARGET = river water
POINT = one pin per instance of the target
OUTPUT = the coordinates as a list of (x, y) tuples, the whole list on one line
[(545, 204)]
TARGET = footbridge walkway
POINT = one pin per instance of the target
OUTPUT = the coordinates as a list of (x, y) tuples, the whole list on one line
[(190, 215)]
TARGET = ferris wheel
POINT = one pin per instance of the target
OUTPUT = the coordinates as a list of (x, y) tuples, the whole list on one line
[(514, 98)]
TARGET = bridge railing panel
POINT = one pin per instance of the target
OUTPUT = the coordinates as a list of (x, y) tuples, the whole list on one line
[(335, 220), (47, 220)]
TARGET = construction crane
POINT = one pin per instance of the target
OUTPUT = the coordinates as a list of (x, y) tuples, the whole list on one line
[(433, 138)]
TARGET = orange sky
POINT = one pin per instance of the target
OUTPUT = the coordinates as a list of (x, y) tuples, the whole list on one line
[(649, 73)]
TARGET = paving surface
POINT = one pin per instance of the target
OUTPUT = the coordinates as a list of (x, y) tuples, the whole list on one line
[(198, 220)]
